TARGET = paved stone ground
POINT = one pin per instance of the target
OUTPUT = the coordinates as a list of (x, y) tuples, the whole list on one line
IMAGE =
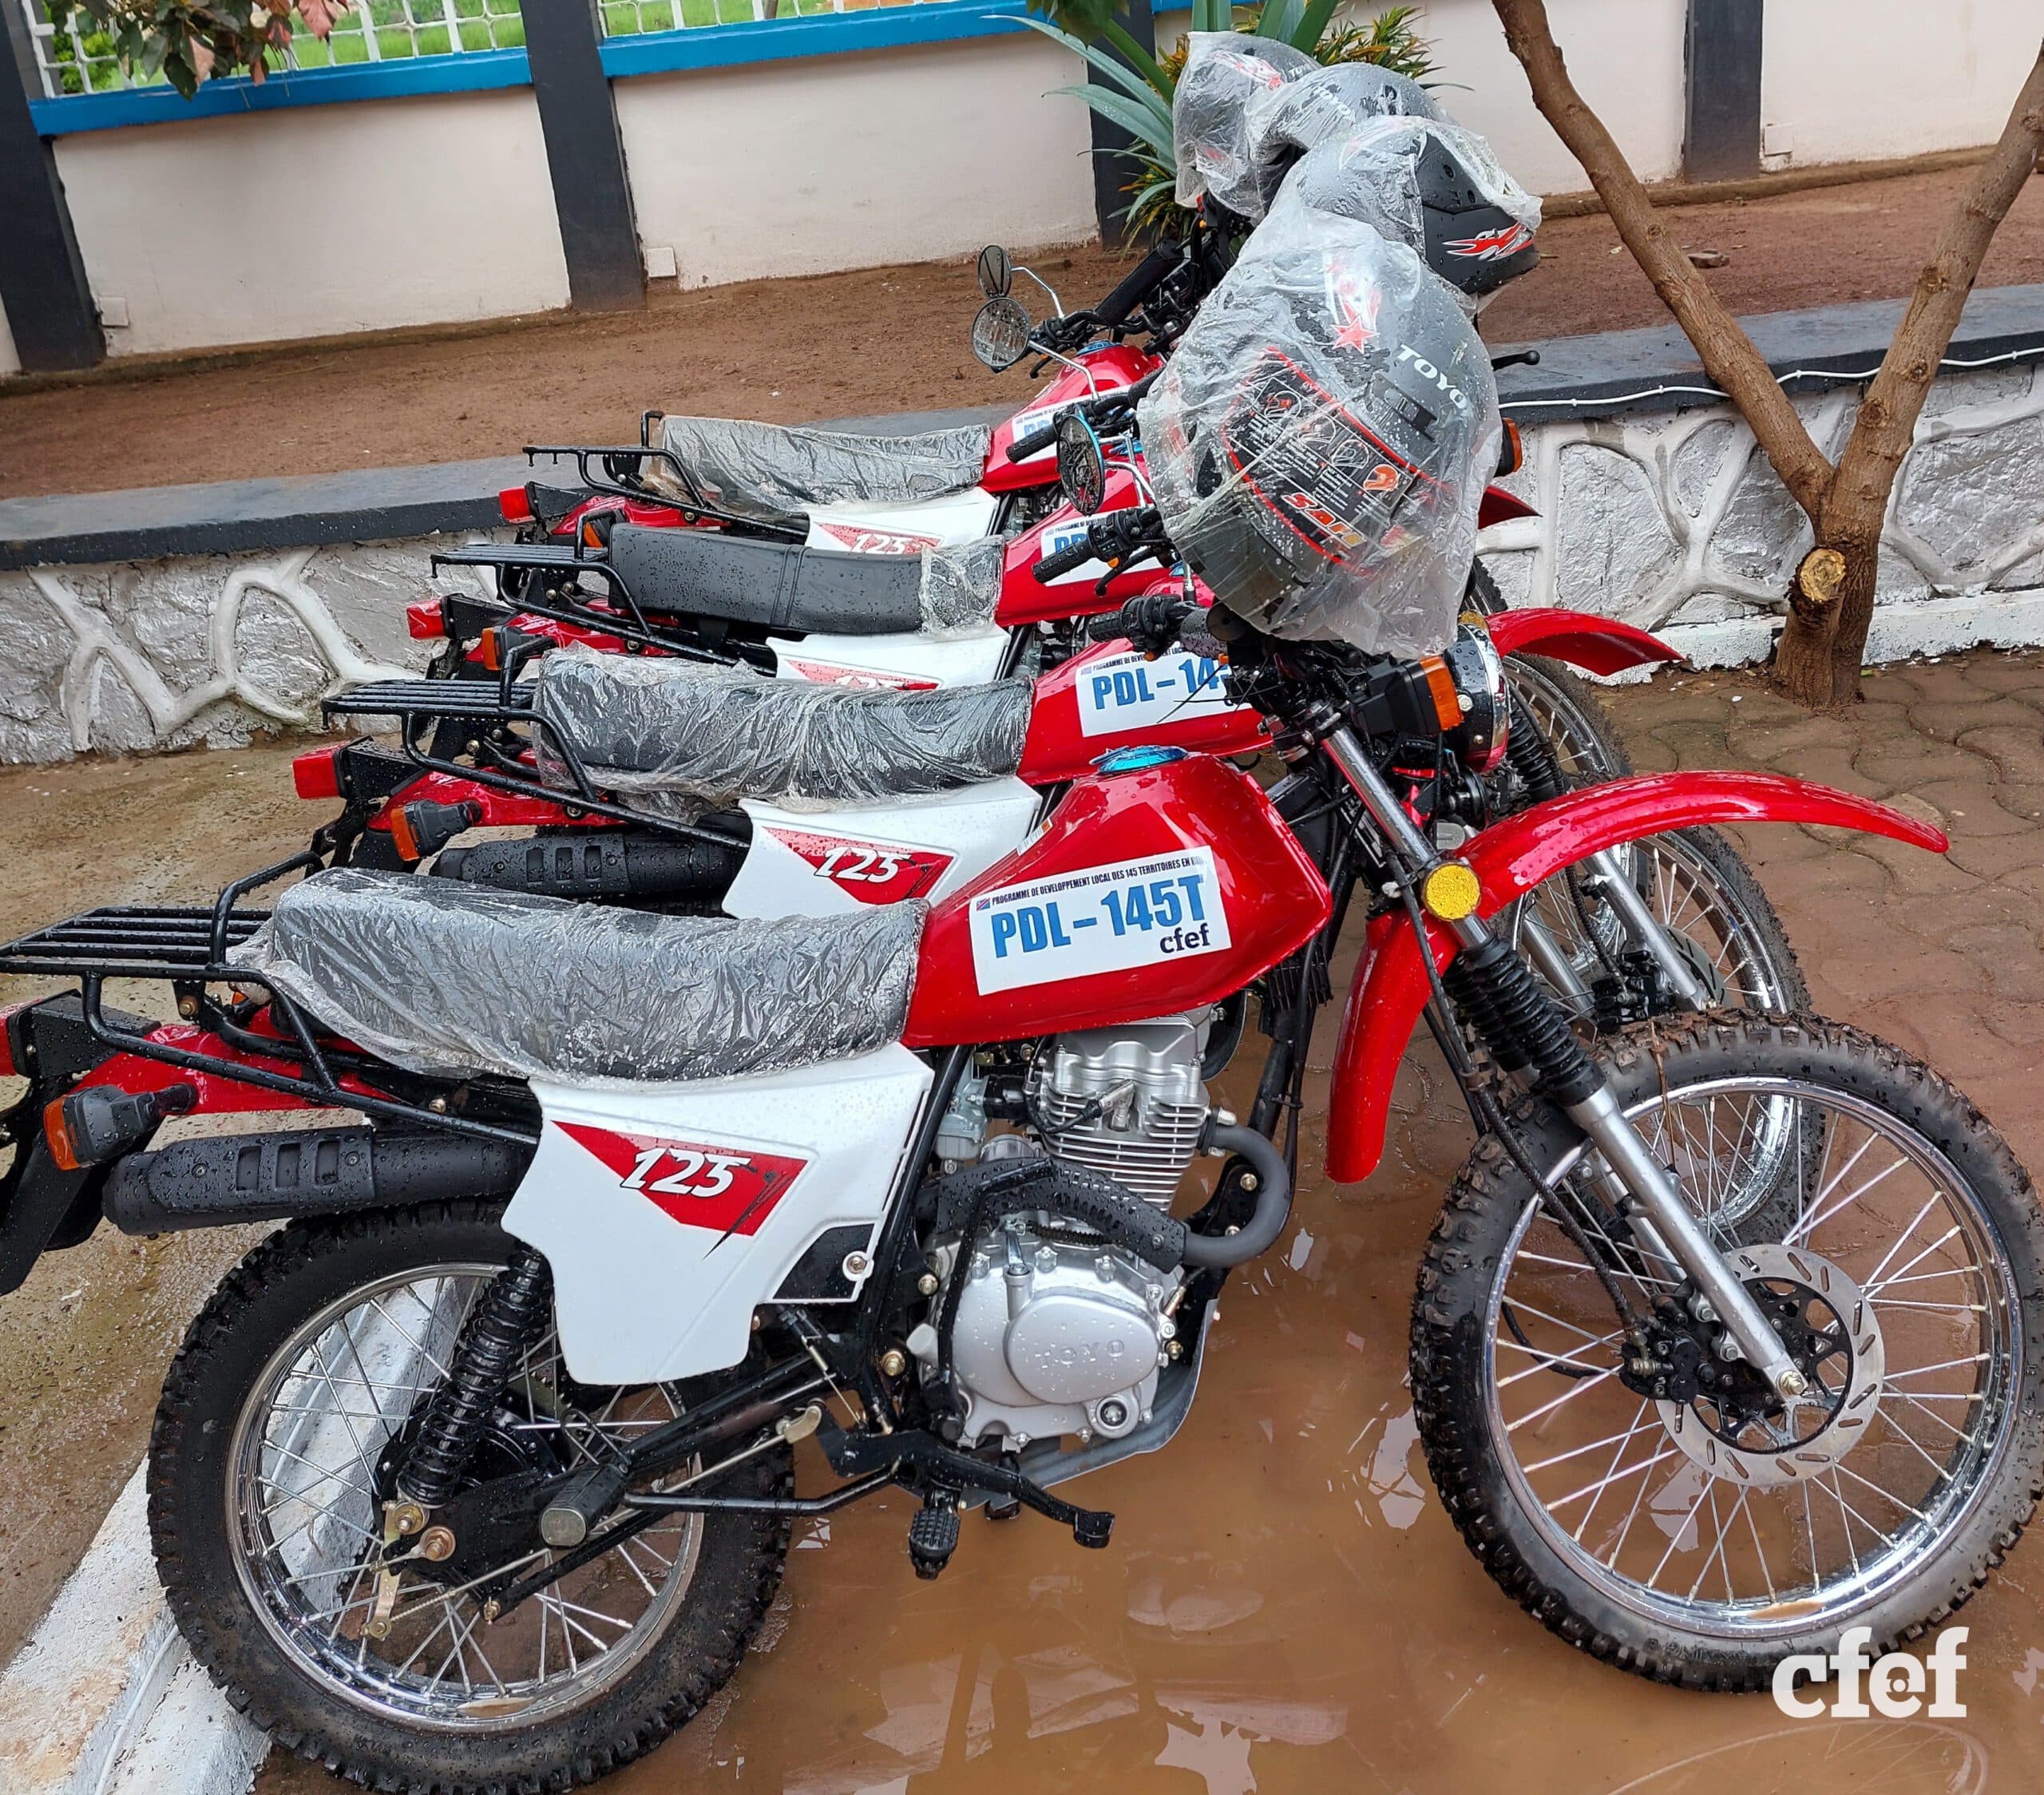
[(1943, 954)]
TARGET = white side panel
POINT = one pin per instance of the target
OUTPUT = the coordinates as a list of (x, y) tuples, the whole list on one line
[(669, 1213), (904, 529), (905, 663), (827, 862)]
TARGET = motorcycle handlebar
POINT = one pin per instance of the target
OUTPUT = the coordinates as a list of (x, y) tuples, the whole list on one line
[(1100, 406), (1138, 285), (1075, 554)]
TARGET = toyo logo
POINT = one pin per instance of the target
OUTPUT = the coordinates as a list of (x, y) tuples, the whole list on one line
[(699, 1184), (1427, 371), (873, 872)]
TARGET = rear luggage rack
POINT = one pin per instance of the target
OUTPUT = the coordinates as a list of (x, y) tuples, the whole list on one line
[(130, 941), (439, 718), (628, 619), (188, 947)]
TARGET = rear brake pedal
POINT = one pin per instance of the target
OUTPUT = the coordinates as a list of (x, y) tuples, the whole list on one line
[(934, 1534)]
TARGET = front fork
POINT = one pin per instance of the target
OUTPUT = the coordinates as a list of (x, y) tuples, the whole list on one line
[(1581, 1090)]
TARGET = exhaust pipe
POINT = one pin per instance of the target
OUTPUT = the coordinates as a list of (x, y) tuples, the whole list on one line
[(302, 1172)]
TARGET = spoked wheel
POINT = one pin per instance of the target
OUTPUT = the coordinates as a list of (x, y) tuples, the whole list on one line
[(1697, 888), (1667, 1515), (269, 1469), (1561, 703)]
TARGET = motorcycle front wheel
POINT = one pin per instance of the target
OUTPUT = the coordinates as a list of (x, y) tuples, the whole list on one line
[(269, 1465), (1660, 1511)]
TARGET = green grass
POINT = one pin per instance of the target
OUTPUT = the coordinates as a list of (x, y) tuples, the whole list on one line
[(481, 25)]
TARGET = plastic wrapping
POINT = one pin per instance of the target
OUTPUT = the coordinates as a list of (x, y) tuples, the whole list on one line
[(713, 736), (1431, 186), (961, 584), (773, 473), (1321, 437), (1322, 107), (438, 977), (1224, 73)]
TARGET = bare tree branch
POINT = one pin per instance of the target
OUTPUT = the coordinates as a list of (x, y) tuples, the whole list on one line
[(1727, 352)]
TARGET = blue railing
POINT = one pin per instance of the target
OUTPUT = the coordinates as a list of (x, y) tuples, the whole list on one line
[(693, 47)]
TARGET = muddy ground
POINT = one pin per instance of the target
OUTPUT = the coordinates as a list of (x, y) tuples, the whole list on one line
[(1284, 1606), (851, 345)]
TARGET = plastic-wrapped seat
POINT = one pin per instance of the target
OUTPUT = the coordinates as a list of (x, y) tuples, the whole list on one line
[(442, 977), (773, 474), (787, 586), (714, 735)]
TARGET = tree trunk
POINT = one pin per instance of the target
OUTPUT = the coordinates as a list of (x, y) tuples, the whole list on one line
[(1727, 352), (1819, 655)]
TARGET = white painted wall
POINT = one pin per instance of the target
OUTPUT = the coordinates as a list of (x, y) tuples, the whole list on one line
[(317, 219), (1625, 55), (826, 162), (1845, 79)]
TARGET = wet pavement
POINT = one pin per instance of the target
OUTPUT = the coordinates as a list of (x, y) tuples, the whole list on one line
[(1285, 1605)]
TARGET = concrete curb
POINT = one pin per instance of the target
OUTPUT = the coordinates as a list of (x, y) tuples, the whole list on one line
[(104, 1699)]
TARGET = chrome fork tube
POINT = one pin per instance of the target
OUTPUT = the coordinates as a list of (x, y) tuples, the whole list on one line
[(1646, 1181), (1646, 927)]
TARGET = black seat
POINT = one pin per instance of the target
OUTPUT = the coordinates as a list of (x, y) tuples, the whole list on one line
[(786, 586), (641, 724), (439, 976)]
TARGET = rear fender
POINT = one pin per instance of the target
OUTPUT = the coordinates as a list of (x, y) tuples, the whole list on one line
[(1596, 645), (1391, 987)]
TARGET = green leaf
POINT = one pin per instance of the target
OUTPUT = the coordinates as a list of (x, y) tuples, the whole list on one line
[(1138, 89), (1145, 64), (1279, 19), (1318, 16), (1213, 15), (1137, 120)]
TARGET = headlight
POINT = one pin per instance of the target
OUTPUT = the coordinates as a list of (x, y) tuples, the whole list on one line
[(1480, 694)]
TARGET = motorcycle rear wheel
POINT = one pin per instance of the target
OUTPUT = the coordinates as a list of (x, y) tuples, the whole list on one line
[(264, 1505), (1691, 1538)]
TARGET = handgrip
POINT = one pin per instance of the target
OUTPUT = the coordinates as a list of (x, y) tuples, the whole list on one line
[(1137, 284), (1075, 554), (1108, 628), (1035, 443)]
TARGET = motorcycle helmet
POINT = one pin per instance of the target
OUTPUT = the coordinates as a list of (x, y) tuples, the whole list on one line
[(1320, 439), (1284, 123), (1432, 186), (1225, 71)]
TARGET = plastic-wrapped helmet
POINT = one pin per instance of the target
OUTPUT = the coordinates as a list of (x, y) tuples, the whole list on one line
[(1224, 73), (1320, 437), (1326, 106), (1432, 186)]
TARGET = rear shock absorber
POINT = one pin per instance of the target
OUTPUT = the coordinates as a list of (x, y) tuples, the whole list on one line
[(506, 1319), (1530, 753)]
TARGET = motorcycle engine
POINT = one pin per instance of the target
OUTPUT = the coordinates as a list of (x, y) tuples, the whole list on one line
[(1057, 1332)]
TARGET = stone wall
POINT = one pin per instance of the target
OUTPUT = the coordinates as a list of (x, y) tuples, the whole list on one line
[(206, 649), (1668, 519), (1674, 520)]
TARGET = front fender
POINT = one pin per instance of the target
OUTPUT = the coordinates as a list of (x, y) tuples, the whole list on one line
[(1596, 645), (1391, 987)]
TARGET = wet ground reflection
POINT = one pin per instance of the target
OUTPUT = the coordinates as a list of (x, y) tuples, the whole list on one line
[(1284, 1607)]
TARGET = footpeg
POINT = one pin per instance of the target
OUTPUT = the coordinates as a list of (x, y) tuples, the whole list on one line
[(1092, 1527), (933, 1535)]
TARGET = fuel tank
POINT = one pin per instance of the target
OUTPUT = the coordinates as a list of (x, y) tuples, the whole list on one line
[(1077, 592), (1112, 697), (1171, 883), (1100, 371)]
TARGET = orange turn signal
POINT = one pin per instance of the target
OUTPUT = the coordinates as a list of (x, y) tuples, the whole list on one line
[(1441, 685)]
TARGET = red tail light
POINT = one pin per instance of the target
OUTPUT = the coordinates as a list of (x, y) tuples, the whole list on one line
[(515, 503), (317, 774), (423, 622)]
